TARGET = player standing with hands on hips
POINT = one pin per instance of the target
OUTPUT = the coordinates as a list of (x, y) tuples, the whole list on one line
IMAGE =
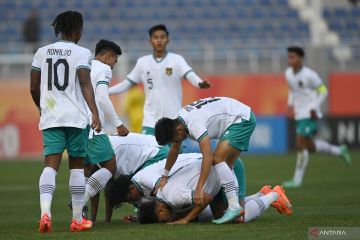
[(61, 89), (161, 74)]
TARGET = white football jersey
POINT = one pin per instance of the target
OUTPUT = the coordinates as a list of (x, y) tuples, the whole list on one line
[(132, 151), (303, 88), (162, 84), (212, 116), (146, 179), (179, 191), (61, 101)]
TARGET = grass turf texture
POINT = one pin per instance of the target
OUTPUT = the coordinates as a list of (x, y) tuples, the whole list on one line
[(329, 197)]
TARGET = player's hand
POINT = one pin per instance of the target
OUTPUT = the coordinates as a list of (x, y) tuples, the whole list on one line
[(313, 115), (180, 221), (96, 124), (199, 196), (204, 85), (129, 219), (122, 131), (290, 112), (161, 184)]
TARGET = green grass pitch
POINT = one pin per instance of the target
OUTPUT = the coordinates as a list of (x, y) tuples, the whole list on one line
[(330, 196)]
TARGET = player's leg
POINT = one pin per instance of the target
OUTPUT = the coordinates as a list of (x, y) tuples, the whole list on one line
[(54, 145), (322, 146), (76, 142)]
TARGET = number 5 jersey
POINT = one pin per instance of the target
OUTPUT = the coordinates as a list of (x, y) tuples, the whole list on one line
[(61, 101)]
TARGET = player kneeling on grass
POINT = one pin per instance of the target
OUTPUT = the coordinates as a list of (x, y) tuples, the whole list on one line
[(226, 119), (60, 82), (132, 153), (99, 147)]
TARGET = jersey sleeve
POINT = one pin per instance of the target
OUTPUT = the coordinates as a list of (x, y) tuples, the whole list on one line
[(197, 129), (315, 80), (36, 64), (84, 60), (183, 67), (135, 75), (104, 77)]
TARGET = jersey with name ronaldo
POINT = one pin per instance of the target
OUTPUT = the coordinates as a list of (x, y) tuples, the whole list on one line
[(303, 87), (180, 188), (61, 100), (132, 151), (162, 84), (147, 178), (212, 116)]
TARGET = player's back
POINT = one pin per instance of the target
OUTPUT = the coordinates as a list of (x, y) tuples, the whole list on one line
[(61, 102)]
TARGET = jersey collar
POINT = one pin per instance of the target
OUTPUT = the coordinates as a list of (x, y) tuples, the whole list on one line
[(159, 61)]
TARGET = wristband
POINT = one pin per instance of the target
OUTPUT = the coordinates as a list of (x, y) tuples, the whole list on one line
[(166, 172)]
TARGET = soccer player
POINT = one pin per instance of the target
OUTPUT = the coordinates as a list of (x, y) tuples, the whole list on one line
[(306, 94), (60, 82), (161, 74), (133, 153), (226, 119), (99, 147)]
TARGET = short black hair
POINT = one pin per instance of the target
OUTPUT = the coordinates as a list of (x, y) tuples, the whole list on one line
[(67, 23), (297, 50), (146, 212), (117, 189), (165, 129), (103, 46), (158, 27)]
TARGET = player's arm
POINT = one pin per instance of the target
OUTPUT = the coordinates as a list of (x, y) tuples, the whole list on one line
[(121, 87), (94, 206), (196, 81), (205, 148), (88, 94), (195, 211), (102, 92), (108, 210), (321, 90), (35, 80), (170, 161)]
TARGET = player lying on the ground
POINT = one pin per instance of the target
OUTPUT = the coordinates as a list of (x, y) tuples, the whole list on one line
[(99, 148), (133, 153), (60, 87), (226, 119), (161, 73), (306, 94)]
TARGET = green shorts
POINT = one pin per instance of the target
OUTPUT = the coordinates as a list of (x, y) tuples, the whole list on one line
[(238, 134), (239, 170), (57, 139), (306, 127), (161, 155), (99, 149), (148, 130)]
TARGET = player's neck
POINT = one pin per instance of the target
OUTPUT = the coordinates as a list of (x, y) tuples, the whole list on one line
[(159, 54), (297, 68)]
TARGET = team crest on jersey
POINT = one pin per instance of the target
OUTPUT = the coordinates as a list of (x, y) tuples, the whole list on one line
[(301, 84), (168, 71)]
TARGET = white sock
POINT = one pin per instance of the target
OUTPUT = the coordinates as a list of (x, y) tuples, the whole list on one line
[(47, 187), (254, 196), (227, 181), (86, 180), (77, 190), (301, 164), (254, 208), (325, 147), (96, 183)]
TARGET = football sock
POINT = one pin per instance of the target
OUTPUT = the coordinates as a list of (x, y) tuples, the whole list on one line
[(227, 181), (254, 196), (255, 207), (77, 190), (325, 147), (96, 183), (301, 164), (47, 188)]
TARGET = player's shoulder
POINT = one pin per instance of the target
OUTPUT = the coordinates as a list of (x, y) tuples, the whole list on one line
[(145, 58), (288, 71), (82, 50), (175, 56), (308, 71), (99, 66)]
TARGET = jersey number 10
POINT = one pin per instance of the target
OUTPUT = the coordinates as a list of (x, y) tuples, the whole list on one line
[(56, 77)]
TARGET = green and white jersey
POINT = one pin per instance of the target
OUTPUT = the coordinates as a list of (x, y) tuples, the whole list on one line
[(61, 100), (212, 116), (162, 84), (147, 178), (303, 94), (179, 191), (101, 76), (132, 151)]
